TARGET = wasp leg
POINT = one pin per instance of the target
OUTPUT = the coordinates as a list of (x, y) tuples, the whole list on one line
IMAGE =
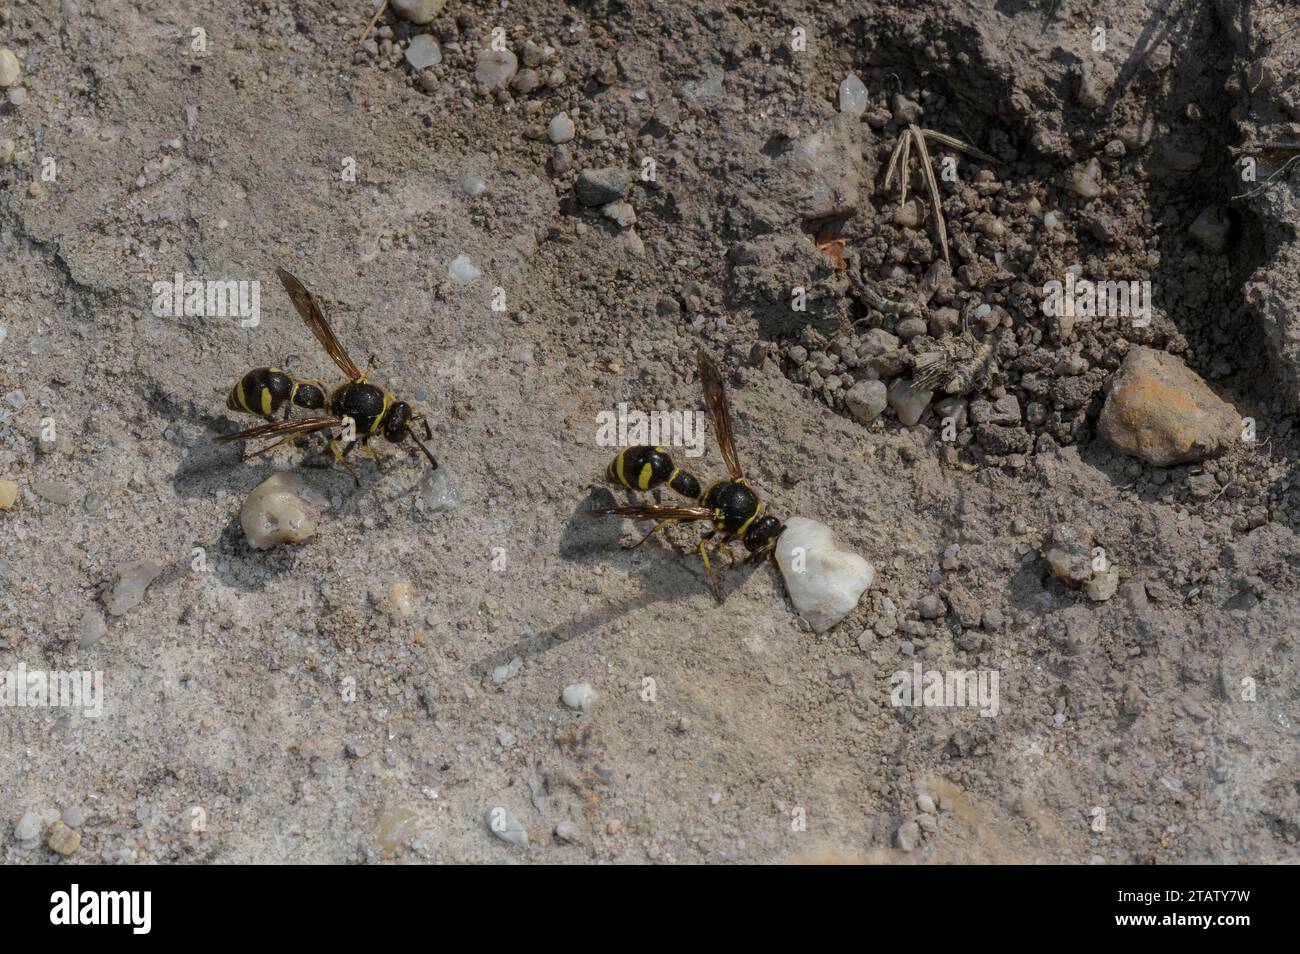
[(374, 454), (267, 449), (708, 569), (340, 456), (657, 527)]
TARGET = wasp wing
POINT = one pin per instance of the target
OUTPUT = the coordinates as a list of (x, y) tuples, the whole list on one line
[(715, 397), (311, 313), (654, 512), (302, 425)]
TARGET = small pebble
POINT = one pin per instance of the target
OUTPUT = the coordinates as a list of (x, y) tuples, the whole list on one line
[(867, 400), (908, 401), (502, 823), (10, 68), (621, 213), (132, 580), (908, 834), (463, 270), (504, 672), (418, 11), (560, 129), (63, 839), (92, 628), (396, 826), (579, 695), (281, 509), (8, 493), (56, 492), (495, 67), (29, 827), (399, 597), (853, 96), (437, 491), (423, 52), (472, 185), (601, 186), (568, 831)]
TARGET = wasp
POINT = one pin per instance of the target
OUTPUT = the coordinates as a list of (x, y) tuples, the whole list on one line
[(358, 410), (731, 505)]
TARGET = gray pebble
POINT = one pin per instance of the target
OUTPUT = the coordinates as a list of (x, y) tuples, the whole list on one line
[(907, 836), (423, 52), (601, 186), (931, 606), (28, 827), (495, 67), (568, 831), (56, 492), (502, 823), (90, 632)]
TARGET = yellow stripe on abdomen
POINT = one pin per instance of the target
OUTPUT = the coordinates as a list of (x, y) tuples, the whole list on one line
[(240, 396), (647, 474)]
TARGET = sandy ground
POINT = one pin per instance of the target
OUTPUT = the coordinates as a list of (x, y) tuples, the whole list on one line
[(291, 705)]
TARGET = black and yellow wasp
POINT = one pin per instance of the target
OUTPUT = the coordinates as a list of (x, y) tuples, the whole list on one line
[(358, 409), (731, 505)]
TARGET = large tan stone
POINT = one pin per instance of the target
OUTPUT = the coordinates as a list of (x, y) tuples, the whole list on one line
[(1159, 410)]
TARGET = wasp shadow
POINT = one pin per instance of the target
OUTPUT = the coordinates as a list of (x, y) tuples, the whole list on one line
[(665, 572)]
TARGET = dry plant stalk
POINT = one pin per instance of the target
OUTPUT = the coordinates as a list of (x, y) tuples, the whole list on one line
[(915, 135)]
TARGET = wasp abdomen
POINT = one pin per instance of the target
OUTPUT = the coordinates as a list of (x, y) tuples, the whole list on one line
[(644, 468), (260, 391)]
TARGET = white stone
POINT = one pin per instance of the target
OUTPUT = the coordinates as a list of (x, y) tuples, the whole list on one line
[(561, 129), (438, 491), (472, 185), (867, 400), (824, 582), (277, 511), (495, 67), (503, 823), (853, 96), (423, 52), (908, 401), (580, 695), (463, 270), (10, 68)]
